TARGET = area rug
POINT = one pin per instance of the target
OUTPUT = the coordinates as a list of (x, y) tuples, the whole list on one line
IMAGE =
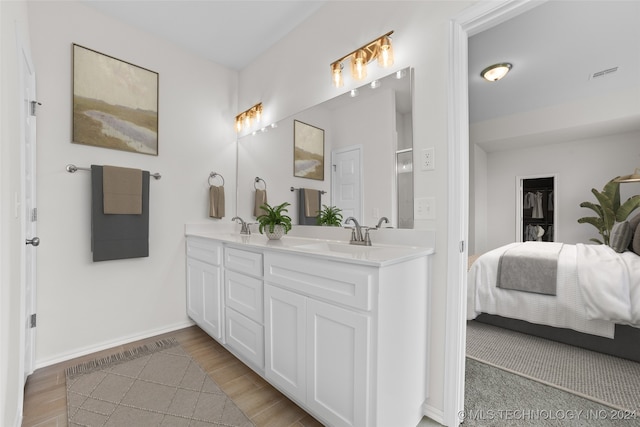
[(153, 385), (599, 377), (495, 397)]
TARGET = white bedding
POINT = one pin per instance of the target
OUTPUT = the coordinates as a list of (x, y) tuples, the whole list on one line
[(565, 310), (609, 283)]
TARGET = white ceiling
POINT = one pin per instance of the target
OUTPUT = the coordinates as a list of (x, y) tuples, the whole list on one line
[(554, 48), (230, 33)]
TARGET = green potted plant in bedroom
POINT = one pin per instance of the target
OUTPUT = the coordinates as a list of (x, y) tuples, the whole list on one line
[(330, 215), (608, 209), (274, 223)]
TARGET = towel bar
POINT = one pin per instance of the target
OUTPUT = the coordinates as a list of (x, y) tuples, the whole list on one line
[(73, 168), (321, 191), (213, 175), (258, 179)]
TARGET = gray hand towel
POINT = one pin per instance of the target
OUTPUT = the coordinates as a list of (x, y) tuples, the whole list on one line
[(260, 199), (216, 202)]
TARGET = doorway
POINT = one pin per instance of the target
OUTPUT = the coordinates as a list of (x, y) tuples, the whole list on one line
[(536, 213), (346, 181)]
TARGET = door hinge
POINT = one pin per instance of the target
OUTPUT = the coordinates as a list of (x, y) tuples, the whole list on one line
[(32, 321), (461, 246), (34, 105), (34, 214)]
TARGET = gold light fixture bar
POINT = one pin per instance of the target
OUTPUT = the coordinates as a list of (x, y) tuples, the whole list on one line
[(634, 177), (379, 48), (245, 119)]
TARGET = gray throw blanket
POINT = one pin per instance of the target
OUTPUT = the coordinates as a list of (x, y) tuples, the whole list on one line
[(530, 267)]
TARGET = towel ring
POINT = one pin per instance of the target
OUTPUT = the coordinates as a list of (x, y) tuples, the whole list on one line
[(258, 179), (213, 175)]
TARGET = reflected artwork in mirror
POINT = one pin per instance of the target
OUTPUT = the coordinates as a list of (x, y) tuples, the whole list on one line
[(375, 180)]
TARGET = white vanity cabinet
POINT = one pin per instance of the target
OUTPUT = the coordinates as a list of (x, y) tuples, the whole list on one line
[(243, 289), (325, 345), (204, 285), (343, 334)]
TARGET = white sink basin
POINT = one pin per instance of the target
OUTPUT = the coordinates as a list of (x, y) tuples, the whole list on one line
[(337, 247)]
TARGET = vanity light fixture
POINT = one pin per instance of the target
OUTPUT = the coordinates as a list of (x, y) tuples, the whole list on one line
[(495, 72), (245, 119), (353, 93), (379, 48), (634, 177), (375, 84)]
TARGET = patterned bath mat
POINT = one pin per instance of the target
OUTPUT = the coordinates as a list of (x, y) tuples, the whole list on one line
[(153, 385)]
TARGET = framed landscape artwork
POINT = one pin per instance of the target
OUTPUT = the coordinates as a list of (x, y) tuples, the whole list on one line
[(308, 151), (115, 104)]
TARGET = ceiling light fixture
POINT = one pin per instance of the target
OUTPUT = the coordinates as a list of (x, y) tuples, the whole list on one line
[(634, 177), (245, 119), (379, 48), (495, 72)]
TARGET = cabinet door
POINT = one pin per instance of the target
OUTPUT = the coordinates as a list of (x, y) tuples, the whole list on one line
[(204, 297), (337, 364), (195, 290), (285, 340)]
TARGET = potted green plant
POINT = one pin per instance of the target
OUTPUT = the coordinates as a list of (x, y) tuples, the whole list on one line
[(330, 215), (609, 210), (274, 223)]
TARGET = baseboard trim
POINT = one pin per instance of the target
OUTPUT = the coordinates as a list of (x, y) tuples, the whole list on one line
[(110, 344), (434, 413)]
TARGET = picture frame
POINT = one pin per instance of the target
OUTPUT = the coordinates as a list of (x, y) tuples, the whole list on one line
[(308, 151), (115, 103)]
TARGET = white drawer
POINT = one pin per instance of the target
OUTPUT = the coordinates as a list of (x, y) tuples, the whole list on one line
[(244, 294), (243, 261), (246, 338), (205, 250), (347, 284)]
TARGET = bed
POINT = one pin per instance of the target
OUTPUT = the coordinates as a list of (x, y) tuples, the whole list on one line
[(594, 303)]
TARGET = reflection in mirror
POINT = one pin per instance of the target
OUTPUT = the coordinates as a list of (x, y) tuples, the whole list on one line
[(368, 156)]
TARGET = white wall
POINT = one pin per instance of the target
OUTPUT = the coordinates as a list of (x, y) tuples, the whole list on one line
[(294, 75), (13, 24), (84, 305), (581, 165)]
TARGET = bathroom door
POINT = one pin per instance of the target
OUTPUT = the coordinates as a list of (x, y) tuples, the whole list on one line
[(346, 181), (27, 206)]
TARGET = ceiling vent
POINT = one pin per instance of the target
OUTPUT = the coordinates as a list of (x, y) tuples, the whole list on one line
[(603, 73)]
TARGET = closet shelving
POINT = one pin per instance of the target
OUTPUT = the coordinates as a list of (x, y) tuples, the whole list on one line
[(537, 209)]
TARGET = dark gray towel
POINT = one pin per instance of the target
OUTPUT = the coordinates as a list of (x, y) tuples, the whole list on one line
[(303, 219), (118, 236), (530, 267)]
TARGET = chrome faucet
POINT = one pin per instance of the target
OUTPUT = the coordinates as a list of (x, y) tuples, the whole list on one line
[(356, 233), (383, 219), (244, 228)]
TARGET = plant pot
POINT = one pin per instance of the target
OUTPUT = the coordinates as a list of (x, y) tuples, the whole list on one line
[(278, 232)]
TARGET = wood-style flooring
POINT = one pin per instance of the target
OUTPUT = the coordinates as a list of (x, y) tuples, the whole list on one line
[(45, 401)]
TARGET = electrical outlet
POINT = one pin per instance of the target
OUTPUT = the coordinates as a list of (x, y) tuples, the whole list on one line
[(428, 159)]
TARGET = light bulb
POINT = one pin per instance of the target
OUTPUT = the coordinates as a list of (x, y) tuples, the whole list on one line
[(358, 65), (385, 53)]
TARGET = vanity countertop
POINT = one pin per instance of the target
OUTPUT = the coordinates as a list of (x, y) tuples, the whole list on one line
[(379, 254)]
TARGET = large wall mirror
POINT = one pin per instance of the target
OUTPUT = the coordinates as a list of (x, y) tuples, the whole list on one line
[(368, 155)]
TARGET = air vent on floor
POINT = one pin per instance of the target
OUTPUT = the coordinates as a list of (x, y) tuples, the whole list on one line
[(603, 73)]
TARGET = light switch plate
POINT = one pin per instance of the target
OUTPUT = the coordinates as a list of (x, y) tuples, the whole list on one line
[(425, 208)]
